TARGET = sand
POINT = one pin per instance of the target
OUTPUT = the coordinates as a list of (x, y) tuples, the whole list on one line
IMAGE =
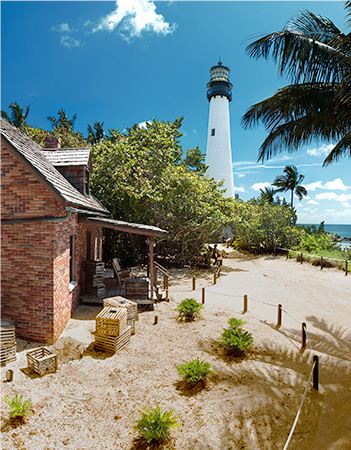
[(94, 399)]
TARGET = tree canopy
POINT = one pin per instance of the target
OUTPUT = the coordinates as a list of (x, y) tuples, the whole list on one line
[(143, 176)]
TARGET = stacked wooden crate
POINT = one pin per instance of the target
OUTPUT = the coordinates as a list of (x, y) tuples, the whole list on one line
[(94, 278), (8, 341), (112, 332), (137, 288), (131, 307)]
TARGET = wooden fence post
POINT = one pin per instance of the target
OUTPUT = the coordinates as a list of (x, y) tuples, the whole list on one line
[(245, 303), (165, 281), (203, 295), (215, 278), (194, 283), (155, 320), (322, 262), (346, 269), (280, 308), (303, 335), (301, 258), (315, 373), (287, 254)]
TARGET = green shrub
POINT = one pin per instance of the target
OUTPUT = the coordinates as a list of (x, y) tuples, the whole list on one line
[(155, 424), (19, 408), (236, 323), (194, 371), (189, 309), (236, 340)]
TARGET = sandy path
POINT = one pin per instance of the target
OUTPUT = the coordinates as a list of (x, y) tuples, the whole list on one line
[(94, 399), (321, 299)]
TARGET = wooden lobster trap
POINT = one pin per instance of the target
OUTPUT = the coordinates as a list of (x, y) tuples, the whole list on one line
[(7, 341), (111, 321), (42, 361), (113, 343)]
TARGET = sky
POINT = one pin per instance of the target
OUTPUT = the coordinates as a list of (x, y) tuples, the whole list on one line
[(127, 61)]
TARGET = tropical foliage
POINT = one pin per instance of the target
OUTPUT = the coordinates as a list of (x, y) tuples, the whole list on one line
[(316, 56), (96, 132), (260, 227), (141, 176), (18, 117), (291, 181), (188, 309), (155, 425), (236, 340), (195, 371), (19, 408), (69, 138), (62, 121)]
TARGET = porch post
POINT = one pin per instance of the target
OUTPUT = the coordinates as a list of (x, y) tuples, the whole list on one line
[(151, 265)]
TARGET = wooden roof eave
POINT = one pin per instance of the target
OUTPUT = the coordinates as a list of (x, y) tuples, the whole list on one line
[(127, 227)]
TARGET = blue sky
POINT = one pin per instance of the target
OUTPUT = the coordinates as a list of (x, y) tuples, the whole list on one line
[(128, 61)]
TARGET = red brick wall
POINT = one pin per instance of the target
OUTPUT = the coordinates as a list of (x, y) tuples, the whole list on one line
[(36, 256)]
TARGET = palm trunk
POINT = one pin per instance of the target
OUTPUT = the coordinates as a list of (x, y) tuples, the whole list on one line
[(292, 198)]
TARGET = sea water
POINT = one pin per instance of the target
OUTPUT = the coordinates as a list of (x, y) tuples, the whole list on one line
[(343, 230)]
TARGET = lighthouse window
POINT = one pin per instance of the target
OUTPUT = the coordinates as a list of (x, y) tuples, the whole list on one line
[(213, 131)]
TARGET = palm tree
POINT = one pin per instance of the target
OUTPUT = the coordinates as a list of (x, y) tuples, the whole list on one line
[(290, 182), (18, 118), (63, 121), (316, 55), (96, 133), (267, 195)]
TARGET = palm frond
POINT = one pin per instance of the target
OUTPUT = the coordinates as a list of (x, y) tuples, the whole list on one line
[(342, 148), (299, 53)]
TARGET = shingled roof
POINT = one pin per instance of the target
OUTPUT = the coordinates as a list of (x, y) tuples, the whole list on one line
[(32, 154), (69, 157)]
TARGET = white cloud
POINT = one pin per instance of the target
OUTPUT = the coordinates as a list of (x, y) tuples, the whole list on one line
[(195, 131), (327, 196), (324, 150), (131, 17), (241, 175), (69, 41), (312, 202), (314, 186), (239, 189), (346, 205), (336, 184), (62, 28), (258, 186), (344, 197)]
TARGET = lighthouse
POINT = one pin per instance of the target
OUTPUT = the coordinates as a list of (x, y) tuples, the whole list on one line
[(219, 151)]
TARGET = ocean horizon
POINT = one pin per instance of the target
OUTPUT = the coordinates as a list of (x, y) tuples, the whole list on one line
[(343, 230)]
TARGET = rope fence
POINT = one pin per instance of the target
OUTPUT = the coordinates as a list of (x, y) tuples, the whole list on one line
[(304, 340), (321, 258)]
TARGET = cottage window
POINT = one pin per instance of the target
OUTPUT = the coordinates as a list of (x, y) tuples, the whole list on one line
[(72, 274)]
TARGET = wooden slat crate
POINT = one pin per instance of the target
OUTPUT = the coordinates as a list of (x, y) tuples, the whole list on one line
[(94, 278), (7, 353), (7, 332), (137, 288), (131, 322), (113, 343), (42, 361), (7, 341), (111, 321), (121, 302)]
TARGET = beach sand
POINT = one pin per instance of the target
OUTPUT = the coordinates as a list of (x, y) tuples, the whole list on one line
[(93, 400)]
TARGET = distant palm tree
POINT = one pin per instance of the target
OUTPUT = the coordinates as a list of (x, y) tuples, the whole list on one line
[(291, 182), (63, 121), (316, 55), (96, 133), (267, 195), (18, 118)]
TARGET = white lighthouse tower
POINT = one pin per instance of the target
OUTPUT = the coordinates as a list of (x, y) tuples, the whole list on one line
[(219, 151)]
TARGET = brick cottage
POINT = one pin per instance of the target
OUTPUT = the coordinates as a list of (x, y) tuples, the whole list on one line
[(51, 224)]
